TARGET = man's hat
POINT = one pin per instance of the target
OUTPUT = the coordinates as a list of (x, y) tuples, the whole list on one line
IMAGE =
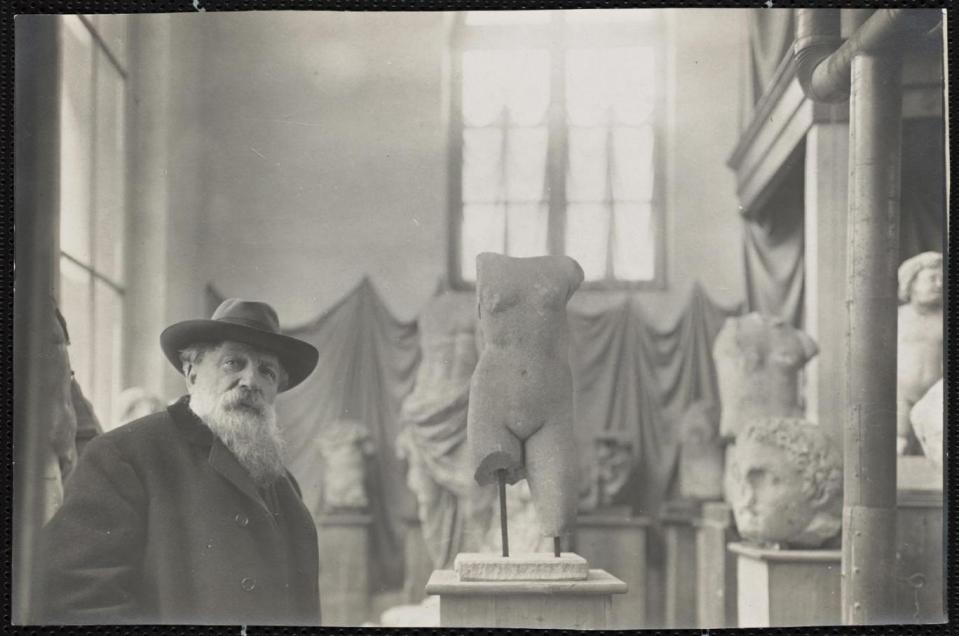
[(245, 321)]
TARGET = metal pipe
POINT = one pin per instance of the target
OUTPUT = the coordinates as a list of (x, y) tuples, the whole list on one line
[(823, 65), (869, 489)]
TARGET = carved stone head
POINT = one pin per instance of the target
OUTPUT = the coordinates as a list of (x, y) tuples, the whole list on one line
[(785, 483), (920, 280)]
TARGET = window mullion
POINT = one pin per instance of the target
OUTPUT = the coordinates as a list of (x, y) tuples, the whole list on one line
[(558, 154)]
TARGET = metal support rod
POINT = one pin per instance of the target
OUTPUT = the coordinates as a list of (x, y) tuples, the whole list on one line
[(556, 546), (869, 505), (504, 532)]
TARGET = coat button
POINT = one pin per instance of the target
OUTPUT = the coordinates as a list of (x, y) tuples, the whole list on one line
[(248, 584), (241, 520)]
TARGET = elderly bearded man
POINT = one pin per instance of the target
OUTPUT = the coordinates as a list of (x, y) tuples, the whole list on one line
[(188, 515)]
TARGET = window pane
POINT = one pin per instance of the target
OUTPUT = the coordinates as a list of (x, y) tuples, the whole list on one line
[(526, 164), (482, 165), (109, 163), (587, 176), (76, 141), (106, 352), (633, 244), (632, 174), (526, 230), (587, 236), (483, 231), (74, 301), (614, 84), (507, 17), (515, 79)]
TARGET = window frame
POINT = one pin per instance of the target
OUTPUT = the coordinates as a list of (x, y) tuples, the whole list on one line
[(556, 35), (97, 275)]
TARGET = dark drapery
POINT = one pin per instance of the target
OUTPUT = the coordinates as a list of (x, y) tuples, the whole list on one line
[(629, 375), (923, 198), (771, 33), (632, 376), (773, 247)]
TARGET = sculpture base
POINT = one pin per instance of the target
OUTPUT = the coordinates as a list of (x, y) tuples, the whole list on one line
[(919, 542), (787, 588), (678, 519), (583, 604), (539, 566), (344, 576), (617, 543), (715, 566)]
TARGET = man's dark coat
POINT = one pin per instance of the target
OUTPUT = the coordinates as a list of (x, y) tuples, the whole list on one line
[(161, 524)]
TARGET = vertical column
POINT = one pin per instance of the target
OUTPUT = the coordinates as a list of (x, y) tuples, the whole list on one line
[(36, 213), (148, 106), (869, 507), (826, 189)]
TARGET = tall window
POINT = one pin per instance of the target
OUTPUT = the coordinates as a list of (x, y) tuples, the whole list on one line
[(92, 201), (554, 141)]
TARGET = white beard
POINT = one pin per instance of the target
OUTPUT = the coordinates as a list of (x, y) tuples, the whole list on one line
[(250, 432)]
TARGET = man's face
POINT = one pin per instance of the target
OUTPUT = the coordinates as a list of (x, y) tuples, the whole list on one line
[(927, 287), (766, 493), (244, 377)]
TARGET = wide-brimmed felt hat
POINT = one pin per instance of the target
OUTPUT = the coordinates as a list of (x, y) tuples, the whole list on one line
[(249, 322)]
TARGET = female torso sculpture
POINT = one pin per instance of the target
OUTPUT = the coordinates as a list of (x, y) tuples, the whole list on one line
[(521, 417)]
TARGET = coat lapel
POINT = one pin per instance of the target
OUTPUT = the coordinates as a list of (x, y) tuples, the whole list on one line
[(225, 463), (221, 459)]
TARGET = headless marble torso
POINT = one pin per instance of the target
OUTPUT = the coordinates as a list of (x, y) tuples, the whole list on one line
[(521, 397)]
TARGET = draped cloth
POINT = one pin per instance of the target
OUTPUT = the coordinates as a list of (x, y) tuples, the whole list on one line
[(632, 376), (629, 375), (771, 33), (774, 248), (366, 366)]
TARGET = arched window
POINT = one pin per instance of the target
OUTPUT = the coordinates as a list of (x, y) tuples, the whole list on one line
[(555, 126)]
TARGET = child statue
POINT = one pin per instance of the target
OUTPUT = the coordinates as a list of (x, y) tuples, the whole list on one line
[(919, 358)]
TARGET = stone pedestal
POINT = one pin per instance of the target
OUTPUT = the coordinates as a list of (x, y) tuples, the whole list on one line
[(617, 544), (787, 588), (344, 540), (715, 566), (525, 604), (418, 565), (920, 558), (678, 519)]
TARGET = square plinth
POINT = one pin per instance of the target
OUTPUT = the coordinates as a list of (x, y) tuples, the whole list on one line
[(787, 588), (537, 566), (583, 604)]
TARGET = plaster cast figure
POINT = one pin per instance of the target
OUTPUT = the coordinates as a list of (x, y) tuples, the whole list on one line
[(701, 453), (927, 419), (786, 483), (613, 461), (521, 398), (919, 356), (344, 446), (454, 511), (758, 359)]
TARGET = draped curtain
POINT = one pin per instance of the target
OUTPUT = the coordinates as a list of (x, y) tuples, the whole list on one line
[(629, 376)]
